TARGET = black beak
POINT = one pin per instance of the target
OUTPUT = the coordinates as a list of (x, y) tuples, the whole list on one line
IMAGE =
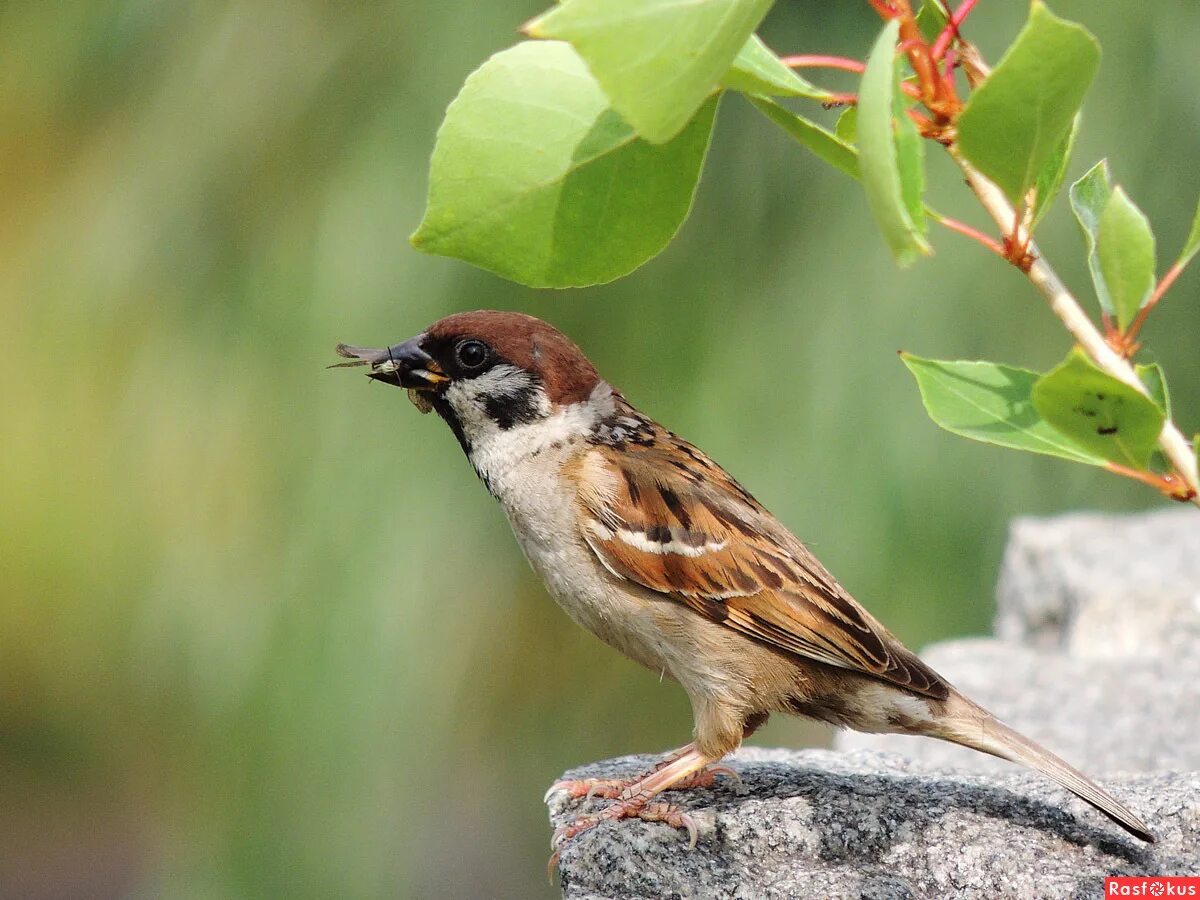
[(403, 365)]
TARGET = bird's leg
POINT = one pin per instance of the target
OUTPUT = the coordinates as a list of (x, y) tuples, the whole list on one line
[(611, 788), (635, 800)]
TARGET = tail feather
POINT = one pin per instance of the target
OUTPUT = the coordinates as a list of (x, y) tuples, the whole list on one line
[(978, 729)]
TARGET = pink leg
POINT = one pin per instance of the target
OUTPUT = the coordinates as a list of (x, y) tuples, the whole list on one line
[(611, 788), (634, 801)]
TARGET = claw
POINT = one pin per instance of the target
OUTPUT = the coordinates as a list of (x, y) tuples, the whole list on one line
[(670, 814), (557, 838)]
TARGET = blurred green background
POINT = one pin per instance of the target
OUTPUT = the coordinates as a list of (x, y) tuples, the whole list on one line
[(261, 632)]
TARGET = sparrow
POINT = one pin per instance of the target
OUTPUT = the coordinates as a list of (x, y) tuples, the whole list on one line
[(654, 548)]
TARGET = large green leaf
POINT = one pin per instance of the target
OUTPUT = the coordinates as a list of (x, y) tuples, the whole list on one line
[(534, 176), (1050, 178), (1125, 250), (1089, 198), (1015, 121), (1097, 412), (824, 144), (756, 70), (991, 403), (891, 177), (657, 60)]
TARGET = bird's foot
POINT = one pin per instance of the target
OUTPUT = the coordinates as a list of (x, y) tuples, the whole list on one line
[(612, 788), (637, 807)]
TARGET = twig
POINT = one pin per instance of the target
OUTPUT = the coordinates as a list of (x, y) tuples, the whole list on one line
[(1170, 485), (973, 233), (1163, 286), (844, 64), (817, 61), (950, 32), (1171, 441)]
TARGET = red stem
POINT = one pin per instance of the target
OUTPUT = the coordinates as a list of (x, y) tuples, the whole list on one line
[(845, 65), (1171, 485), (824, 62), (950, 32), (1163, 286), (974, 234)]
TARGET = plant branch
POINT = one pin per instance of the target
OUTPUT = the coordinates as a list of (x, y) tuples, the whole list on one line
[(1063, 304), (818, 61), (1163, 286), (842, 63), (973, 233), (950, 32)]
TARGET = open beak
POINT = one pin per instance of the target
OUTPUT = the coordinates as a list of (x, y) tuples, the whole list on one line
[(405, 365)]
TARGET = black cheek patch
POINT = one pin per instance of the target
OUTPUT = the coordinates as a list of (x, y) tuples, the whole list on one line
[(517, 408)]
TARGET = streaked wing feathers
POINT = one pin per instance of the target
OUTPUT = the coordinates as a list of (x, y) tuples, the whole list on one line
[(663, 515)]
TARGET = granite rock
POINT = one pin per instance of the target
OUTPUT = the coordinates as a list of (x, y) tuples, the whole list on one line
[(819, 823), (1102, 586)]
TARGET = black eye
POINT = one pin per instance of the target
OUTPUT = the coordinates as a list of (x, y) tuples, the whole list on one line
[(471, 354)]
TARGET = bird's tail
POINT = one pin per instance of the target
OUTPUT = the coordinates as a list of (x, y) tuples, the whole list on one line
[(972, 726)]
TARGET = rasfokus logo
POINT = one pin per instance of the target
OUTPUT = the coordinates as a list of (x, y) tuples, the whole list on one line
[(1152, 886)]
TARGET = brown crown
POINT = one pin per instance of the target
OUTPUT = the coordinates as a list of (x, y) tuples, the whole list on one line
[(530, 344)]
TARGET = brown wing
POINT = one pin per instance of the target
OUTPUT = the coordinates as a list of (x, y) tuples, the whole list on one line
[(652, 519)]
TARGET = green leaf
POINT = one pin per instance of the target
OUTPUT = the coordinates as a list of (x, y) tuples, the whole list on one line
[(657, 60), (1192, 244), (534, 176), (824, 144), (756, 70), (1089, 197), (910, 158), (1015, 121), (1050, 178), (1125, 249), (889, 175), (847, 125), (931, 19), (1097, 412), (992, 403), (1155, 380)]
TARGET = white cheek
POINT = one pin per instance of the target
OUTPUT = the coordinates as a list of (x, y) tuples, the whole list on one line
[(469, 397)]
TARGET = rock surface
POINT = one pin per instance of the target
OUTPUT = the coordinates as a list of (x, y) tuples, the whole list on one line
[(819, 823), (1102, 586), (1098, 658)]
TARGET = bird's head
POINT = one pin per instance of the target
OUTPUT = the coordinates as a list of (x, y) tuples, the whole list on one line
[(487, 372)]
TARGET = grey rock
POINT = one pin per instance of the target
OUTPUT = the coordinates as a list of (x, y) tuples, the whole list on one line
[(1103, 586), (817, 823), (1133, 715)]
